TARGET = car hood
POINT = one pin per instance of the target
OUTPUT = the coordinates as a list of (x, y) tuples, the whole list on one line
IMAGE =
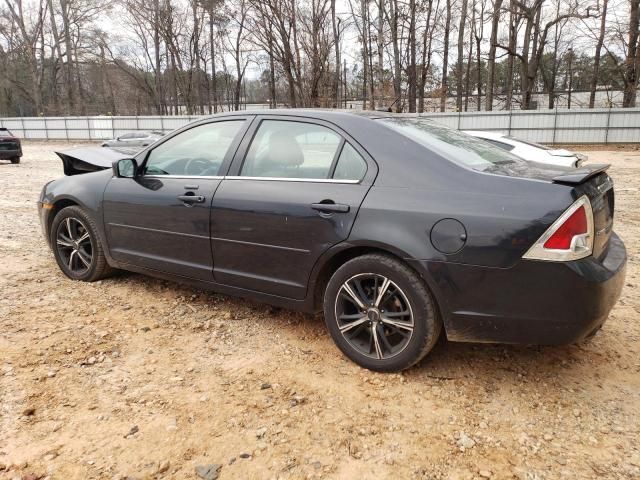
[(91, 159), (547, 172)]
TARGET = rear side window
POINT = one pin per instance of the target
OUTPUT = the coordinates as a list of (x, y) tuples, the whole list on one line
[(351, 166), (451, 144), (289, 149)]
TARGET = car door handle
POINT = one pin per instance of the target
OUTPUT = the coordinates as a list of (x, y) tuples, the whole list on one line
[(191, 198), (330, 207)]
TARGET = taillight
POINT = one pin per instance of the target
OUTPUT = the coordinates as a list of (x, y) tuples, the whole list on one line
[(569, 238)]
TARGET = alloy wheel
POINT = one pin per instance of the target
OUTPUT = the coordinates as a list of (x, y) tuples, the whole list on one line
[(374, 316), (73, 243)]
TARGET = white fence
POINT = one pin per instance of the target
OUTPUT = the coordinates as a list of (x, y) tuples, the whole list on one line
[(612, 125)]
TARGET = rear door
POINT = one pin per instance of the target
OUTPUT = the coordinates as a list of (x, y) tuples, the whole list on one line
[(294, 194), (160, 219)]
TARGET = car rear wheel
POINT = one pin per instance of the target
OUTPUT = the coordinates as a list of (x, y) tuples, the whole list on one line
[(380, 313), (15, 160), (76, 246)]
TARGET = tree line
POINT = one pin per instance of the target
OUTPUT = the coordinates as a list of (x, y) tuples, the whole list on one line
[(88, 57)]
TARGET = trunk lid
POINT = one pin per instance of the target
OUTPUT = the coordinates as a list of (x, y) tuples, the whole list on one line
[(599, 189), (590, 180), (593, 181), (560, 152)]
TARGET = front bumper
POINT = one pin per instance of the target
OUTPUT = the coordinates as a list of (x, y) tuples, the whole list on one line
[(45, 212), (534, 302)]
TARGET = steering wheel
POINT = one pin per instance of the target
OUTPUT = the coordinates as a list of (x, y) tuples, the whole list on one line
[(195, 166)]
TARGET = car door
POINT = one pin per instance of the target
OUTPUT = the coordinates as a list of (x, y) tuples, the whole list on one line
[(293, 195), (160, 219)]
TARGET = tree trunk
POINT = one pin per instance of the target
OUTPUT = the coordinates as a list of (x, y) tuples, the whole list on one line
[(64, 8), (196, 54), (372, 86), (463, 18), (336, 43), (212, 48), (479, 34), (156, 47), (365, 53), (631, 62), (380, 40), (467, 83), (551, 84), (426, 56), (397, 72), (411, 71), (491, 62), (513, 37), (272, 74), (596, 59), (445, 58)]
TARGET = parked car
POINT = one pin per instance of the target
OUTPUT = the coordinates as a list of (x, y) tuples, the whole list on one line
[(530, 151), (395, 227), (10, 146), (134, 139)]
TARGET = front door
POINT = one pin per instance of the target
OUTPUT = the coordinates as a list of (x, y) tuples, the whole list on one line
[(296, 194), (160, 219)]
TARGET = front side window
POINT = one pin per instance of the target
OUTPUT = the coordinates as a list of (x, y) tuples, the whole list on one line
[(288, 149), (198, 151)]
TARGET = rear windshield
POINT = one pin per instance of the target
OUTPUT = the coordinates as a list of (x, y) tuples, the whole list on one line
[(452, 144), (531, 144)]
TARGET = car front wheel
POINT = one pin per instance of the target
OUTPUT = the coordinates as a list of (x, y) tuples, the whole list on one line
[(76, 246), (380, 313), (15, 160)]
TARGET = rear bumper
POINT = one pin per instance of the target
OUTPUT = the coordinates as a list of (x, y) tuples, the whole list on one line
[(9, 154), (534, 302)]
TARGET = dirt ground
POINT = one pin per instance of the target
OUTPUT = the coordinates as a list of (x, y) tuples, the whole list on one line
[(134, 377)]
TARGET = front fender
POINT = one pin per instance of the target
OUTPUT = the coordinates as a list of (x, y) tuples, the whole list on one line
[(86, 191)]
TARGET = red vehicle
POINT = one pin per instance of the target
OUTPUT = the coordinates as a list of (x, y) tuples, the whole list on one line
[(10, 147)]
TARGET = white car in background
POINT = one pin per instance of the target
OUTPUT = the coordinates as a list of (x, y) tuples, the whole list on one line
[(529, 151)]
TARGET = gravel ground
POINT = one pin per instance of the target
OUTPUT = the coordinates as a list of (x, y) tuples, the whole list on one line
[(134, 377)]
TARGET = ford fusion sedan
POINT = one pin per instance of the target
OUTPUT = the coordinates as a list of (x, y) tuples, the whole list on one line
[(398, 229), (532, 152)]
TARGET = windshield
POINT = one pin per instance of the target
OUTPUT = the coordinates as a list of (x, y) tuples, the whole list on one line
[(452, 144)]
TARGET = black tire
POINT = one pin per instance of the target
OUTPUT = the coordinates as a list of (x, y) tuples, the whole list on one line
[(69, 228), (405, 287), (15, 160)]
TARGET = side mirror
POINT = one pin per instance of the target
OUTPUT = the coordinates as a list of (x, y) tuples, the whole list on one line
[(125, 168)]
